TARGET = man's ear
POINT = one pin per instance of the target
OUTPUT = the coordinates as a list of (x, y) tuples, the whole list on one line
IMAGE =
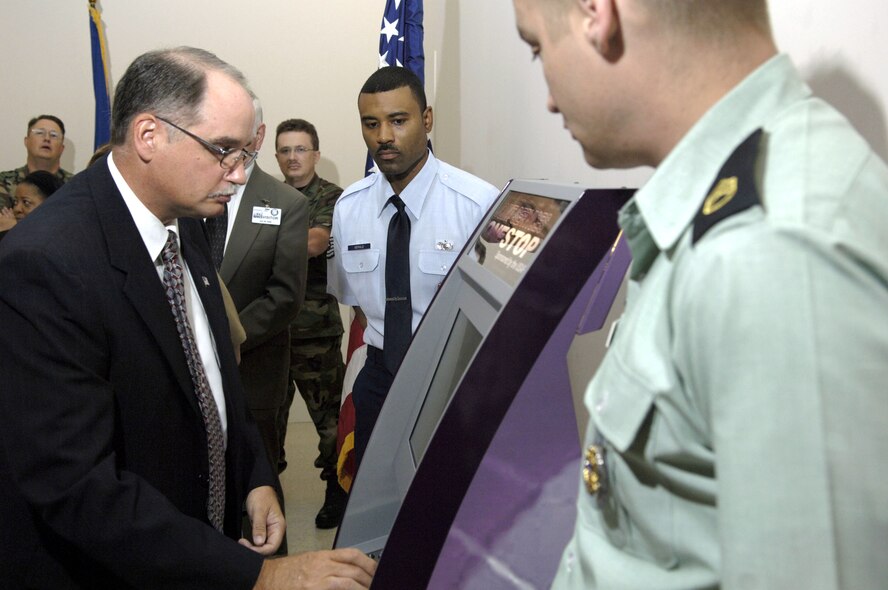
[(260, 137), (146, 134), (428, 119), (601, 26)]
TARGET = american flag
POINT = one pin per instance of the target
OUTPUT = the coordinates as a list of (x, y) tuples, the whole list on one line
[(400, 40), (400, 43)]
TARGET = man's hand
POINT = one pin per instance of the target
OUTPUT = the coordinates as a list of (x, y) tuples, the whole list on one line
[(341, 569), (267, 520)]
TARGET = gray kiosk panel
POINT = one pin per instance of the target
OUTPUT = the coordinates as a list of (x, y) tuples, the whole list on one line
[(523, 222)]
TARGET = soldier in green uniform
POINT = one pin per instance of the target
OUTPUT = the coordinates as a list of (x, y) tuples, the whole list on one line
[(740, 417), (316, 366), (45, 142)]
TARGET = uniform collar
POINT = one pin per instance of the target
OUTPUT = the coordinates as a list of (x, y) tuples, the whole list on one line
[(312, 186), (667, 204), (414, 194)]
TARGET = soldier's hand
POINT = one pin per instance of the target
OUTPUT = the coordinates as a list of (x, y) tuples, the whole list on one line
[(343, 569)]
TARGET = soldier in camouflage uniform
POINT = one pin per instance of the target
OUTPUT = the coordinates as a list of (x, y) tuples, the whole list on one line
[(45, 142), (316, 366)]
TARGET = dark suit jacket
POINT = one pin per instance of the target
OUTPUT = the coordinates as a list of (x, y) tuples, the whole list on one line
[(265, 268), (103, 453)]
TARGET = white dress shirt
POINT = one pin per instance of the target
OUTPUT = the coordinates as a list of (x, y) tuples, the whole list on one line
[(154, 235), (234, 204)]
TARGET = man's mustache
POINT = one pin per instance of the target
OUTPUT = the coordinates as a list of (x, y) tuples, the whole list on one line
[(388, 147)]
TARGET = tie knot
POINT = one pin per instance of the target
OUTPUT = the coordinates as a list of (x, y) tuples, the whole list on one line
[(171, 248), (397, 202)]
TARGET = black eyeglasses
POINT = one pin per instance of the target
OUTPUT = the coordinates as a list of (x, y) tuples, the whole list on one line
[(228, 157)]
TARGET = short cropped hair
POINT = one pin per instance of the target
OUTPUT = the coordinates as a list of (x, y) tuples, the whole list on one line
[(170, 83), (52, 118), (392, 78), (45, 182), (691, 17), (711, 17), (298, 125)]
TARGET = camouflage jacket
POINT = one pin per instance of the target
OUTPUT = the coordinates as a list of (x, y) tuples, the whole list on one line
[(10, 179), (319, 315)]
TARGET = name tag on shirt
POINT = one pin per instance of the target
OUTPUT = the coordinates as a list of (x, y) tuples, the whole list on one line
[(267, 215), (353, 247)]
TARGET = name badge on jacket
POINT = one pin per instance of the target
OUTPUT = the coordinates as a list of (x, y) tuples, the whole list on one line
[(267, 215)]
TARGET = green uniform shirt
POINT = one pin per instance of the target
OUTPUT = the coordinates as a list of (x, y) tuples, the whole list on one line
[(319, 315), (10, 178), (743, 403)]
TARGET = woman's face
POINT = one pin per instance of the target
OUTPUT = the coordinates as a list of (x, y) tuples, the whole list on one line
[(27, 198)]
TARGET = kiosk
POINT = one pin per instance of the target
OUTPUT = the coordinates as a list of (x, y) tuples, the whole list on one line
[(480, 420)]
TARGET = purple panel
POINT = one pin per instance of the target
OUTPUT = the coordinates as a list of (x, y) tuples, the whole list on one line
[(503, 362), (520, 508)]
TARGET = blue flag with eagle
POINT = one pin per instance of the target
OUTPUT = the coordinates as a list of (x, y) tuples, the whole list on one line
[(101, 79)]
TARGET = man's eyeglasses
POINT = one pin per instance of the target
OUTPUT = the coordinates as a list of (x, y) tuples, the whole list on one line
[(229, 158), (41, 133), (298, 150)]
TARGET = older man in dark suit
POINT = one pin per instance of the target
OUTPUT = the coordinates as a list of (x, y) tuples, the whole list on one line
[(126, 449)]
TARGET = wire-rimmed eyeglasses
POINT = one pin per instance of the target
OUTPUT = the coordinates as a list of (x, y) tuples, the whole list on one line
[(228, 157)]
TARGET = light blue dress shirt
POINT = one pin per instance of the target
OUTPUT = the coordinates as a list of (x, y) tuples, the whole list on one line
[(445, 205), (743, 404)]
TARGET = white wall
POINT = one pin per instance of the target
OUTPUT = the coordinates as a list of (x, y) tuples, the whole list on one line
[(308, 59), (304, 58), (499, 95)]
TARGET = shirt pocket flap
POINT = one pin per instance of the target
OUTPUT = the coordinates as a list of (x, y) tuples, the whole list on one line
[(621, 407), (360, 260), (436, 262)]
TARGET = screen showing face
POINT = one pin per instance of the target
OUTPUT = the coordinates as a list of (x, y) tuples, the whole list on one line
[(515, 233), (464, 339)]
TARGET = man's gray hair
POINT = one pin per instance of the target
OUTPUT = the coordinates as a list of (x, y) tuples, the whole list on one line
[(170, 83), (257, 117)]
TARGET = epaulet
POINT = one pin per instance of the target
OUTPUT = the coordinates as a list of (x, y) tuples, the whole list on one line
[(358, 185), (734, 189), (466, 184)]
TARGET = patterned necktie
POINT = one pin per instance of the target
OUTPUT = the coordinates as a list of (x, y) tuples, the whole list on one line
[(175, 292), (217, 228), (398, 307)]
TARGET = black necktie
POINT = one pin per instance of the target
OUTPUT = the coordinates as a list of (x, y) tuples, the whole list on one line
[(175, 292), (217, 228), (398, 308)]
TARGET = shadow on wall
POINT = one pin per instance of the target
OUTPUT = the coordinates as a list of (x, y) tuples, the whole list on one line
[(68, 156), (327, 170), (836, 83)]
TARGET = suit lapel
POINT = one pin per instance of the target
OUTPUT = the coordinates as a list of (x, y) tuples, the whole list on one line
[(141, 284), (197, 254), (196, 251), (244, 231)]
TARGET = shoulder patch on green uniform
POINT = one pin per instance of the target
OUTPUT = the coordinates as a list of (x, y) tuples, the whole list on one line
[(734, 189)]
